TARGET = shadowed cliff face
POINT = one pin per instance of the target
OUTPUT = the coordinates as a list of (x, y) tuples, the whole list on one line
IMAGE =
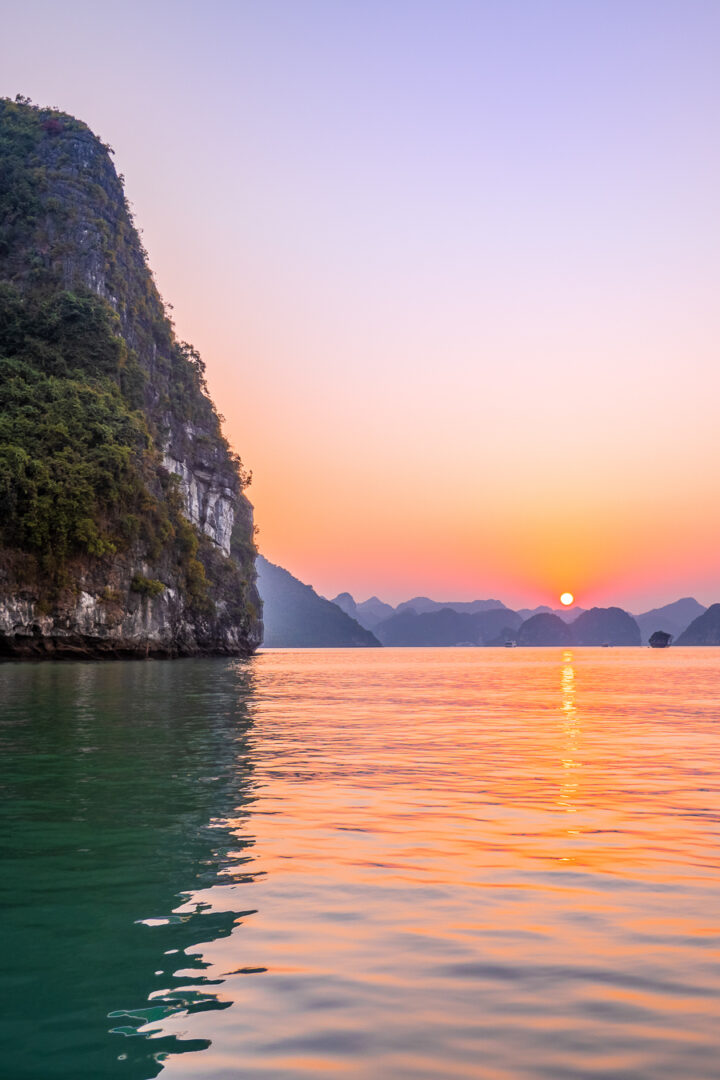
[(124, 528), (705, 630), (296, 617)]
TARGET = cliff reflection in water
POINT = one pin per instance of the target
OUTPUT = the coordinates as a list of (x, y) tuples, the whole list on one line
[(114, 779)]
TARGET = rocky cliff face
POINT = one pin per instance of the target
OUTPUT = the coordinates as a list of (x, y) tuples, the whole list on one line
[(124, 528)]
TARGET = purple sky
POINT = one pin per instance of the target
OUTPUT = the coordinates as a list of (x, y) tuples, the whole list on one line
[(453, 268)]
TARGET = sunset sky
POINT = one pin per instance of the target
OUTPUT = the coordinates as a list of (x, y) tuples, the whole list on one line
[(454, 269)]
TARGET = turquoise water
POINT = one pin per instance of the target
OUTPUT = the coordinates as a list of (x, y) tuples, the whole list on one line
[(367, 863)]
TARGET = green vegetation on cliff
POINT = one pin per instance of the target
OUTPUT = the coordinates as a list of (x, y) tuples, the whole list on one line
[(96, 394), (72, 447)]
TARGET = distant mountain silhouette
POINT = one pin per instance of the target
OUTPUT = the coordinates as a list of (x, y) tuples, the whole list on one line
[(423, 621), (546, 628), (605, 626), (447, 627), (345, 602), (369, 613), (527, 612), (567, 614), (672, 618), (598, 626), (295, 616), (421, 605), (705, 630)]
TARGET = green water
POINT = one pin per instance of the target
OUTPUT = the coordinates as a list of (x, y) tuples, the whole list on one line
[(380, 864), (112, 777)]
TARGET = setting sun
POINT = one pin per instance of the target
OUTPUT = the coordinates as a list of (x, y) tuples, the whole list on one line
[(567, 599)]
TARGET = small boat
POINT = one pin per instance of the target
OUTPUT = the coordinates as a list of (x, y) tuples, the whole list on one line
[(511, 644)]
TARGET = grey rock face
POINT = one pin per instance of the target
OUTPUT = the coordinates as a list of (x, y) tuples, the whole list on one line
[(209, 488), (104, 615)]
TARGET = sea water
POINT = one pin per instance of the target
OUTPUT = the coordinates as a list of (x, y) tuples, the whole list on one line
[(396, 863)]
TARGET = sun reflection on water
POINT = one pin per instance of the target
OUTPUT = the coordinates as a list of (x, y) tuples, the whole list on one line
[(570, 783)]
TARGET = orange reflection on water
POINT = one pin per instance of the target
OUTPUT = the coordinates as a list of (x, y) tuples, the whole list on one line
[(571, 735), (421, 902)]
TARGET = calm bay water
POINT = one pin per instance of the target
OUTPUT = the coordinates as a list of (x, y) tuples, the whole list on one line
[(371, 864)]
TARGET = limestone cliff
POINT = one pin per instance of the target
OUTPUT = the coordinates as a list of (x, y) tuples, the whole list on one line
[(124, 527)]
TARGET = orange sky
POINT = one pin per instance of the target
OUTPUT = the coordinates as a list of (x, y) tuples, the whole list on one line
[(453, 270)]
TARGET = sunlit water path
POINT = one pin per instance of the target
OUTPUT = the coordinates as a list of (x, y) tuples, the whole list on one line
[(369, 864)]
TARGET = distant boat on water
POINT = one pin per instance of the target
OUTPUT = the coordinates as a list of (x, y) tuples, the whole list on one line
[(511, 644), (660, 640)]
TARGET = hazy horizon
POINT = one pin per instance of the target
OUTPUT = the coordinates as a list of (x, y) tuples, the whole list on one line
[(394, 599), (557, 606), (453, 270)]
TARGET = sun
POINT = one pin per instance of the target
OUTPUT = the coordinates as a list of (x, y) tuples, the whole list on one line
[(567, 598)]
